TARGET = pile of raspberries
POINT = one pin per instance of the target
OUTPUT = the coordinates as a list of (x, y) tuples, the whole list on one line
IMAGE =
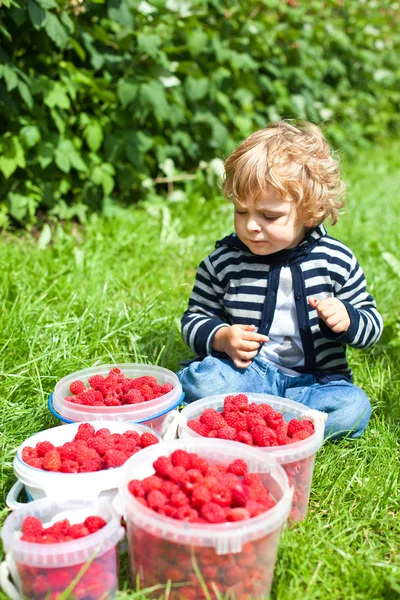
[(89, 450), (116, 390), (187, 487), (62, 531), (252, 424)]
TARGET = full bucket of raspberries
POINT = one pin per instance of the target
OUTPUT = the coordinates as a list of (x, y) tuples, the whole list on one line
[(54, 547), (126, 392), (204, 517), (284, 429), (80, 460)]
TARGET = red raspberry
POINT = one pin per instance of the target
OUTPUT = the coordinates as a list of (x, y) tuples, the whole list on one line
[(84, 454), (133, 397), (167, 387), (237, 514), (85, 432), (197, 462), (153, 482), (241, 401), (229, 479), (236, 419), (177, 474), (28, 452), (212, 419), (100, 444), (52, 461), (303, 434), (213, 513), (97, 381), (91, 465), (147, 392), (200, 496), (255, 508), (254, 420), (192, 479), (133, 435), (168, 488), (77, 387), (77, 531), (68, 451), (32, 526), (227, 433), (178, 499), (156, 500), (148, 439), (73, 399), (221, 495), (163, 466), (238, 467), (114, 458), (240, 495), (104, 431), (136, 488), (59, 529), (213, 433), (263, 436), (274, 420), (198, 427), (69, 466), (110, 400), (43, 448), (88, 398), (245, 437), (181, 458), (34, 462), (262, 410), (186, 513)]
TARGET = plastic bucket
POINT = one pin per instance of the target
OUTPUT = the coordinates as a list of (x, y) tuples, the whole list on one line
[(67, 486), (41, 570), (237, 558), (150, 413), (297, 458)]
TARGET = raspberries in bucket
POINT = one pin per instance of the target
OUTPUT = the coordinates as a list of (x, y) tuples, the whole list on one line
[(252, 424), (88, 451), (116, 390)]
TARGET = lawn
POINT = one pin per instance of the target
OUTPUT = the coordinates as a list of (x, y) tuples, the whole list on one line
[(114, 291)]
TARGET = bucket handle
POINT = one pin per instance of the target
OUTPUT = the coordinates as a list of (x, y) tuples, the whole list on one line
[(170, 425), (13, 494), (5, 582)]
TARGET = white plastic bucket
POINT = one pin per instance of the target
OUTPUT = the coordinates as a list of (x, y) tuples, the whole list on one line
[(67, 486), (162, 548), (297, 458), (40, 569), (150, 413)]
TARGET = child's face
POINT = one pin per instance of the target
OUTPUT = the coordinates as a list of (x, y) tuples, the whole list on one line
[(269, 225)]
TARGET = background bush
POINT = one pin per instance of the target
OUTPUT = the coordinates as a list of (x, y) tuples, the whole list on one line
[(98, 99)]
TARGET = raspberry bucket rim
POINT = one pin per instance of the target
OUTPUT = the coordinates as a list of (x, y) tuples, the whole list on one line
[(283, 454), (68, 553), (223, 537), (143, 411)]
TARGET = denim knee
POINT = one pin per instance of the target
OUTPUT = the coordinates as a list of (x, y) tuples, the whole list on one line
[(352, 417), (207, 377)]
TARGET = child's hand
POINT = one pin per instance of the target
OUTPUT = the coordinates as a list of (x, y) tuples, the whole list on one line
[(240, 342), (333, 312)]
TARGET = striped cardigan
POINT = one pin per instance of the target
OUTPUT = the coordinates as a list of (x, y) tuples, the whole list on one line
[(235, 286)]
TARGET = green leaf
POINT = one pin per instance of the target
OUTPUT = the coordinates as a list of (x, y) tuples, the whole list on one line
[(57, 96), (37, 14), (67, 21), (45, 154), (103, 175), (153, 93), (67, 156), (118, 10), (30, 135), (44, 238), (56, 31), (25, 93), (196, 89), (197, 41), (13, 156), (149, 44), (11, 78), (21, 205), (47, 4), (127, 90), (94, 135)]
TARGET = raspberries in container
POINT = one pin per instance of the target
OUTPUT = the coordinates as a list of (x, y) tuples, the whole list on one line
[(116, 390), (88, 451), (216, 526)]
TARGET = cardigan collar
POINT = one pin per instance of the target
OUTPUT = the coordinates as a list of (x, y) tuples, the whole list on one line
[(288, 257)]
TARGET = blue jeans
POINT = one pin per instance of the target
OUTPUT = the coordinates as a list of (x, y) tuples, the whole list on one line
[(347, 406)]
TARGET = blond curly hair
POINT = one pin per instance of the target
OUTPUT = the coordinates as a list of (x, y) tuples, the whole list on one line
[(296, 161)]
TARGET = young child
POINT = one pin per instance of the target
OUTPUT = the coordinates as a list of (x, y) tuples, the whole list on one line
[(275, 304)]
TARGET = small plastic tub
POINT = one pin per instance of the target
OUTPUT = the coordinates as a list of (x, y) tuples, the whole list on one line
[(297, 458), (228, 558), (150, 413), (43, 571), (63, 486)]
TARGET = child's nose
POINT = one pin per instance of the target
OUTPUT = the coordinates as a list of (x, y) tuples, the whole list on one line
[(252, 225)]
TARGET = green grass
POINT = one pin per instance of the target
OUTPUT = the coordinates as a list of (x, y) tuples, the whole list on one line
[(115, 291)]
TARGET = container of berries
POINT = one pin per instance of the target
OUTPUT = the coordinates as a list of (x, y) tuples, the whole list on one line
[(66, 549), (284, 429), (125, 392), (204, 517), (80, 460)]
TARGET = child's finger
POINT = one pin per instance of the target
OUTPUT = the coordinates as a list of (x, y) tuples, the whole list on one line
[(256, 337), (248, 346), (241, 364), (313, 301), (247, 327)]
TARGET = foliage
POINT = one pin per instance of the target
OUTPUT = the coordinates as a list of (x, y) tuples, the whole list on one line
[(101, 97)]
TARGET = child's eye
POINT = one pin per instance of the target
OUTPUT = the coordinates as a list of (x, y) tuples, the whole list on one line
[(270, 218), (240, 212)]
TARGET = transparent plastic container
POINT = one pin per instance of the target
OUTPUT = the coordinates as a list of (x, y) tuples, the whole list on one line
[(297, 458), (227, 558), (42, 571), (150, 413), (63, 486)]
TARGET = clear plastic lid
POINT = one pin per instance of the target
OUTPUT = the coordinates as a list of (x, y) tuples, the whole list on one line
[(289, 409), (130, 412), (224, 537)]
